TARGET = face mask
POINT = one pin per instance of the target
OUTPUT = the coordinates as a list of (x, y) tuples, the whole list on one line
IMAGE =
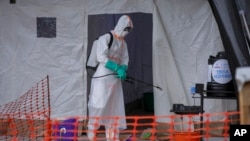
[(124, 33)]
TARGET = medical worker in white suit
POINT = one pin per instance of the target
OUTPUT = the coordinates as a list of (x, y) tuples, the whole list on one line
[(106, 100)]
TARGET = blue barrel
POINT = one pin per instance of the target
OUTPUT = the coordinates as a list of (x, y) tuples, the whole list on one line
[(66, 131)]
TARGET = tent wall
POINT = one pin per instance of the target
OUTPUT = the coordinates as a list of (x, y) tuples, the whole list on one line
[(231, 29), (184, 35), (191, 35), (26, 58)]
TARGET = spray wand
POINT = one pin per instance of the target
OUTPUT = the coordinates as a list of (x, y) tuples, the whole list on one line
[(131, 79)]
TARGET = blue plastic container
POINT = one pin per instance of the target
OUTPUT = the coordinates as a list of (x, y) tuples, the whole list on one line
[(66, 131)]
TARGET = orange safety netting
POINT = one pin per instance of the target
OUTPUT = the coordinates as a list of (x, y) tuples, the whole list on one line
[(28, 115), (138, 128), (28, 118)]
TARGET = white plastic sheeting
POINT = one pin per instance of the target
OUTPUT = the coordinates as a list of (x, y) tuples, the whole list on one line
[(185, 33)]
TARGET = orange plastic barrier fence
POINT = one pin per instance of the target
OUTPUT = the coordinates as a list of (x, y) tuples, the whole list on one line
[(28, 115), (178, 128)]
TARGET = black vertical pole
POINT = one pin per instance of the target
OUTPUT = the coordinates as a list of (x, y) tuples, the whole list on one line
[(199, 88), (201, 112)]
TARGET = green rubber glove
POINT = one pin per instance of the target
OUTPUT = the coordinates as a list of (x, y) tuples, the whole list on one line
[(123, 67), (112, 65), (121, 72)]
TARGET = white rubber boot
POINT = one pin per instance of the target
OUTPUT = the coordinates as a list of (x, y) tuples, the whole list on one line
[(91, 133), (112, 134)]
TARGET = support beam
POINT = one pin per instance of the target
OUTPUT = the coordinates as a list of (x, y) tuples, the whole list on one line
[(244, 104)]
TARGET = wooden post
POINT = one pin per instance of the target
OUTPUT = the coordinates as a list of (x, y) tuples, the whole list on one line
[(244, 102)]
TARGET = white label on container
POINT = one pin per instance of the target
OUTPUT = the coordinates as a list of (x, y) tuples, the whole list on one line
[(221, 72)]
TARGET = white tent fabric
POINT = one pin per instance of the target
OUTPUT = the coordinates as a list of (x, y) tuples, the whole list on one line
[(185, 33)]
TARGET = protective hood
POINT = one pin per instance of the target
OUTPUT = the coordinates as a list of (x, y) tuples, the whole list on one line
[(123, 23)]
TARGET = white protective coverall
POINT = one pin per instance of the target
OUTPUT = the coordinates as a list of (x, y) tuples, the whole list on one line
[(106, 94)]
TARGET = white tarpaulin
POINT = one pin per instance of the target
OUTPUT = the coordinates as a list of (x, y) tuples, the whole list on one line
[(185, 34)]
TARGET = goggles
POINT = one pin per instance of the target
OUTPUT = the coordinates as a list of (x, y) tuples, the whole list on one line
[(127, 29)]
